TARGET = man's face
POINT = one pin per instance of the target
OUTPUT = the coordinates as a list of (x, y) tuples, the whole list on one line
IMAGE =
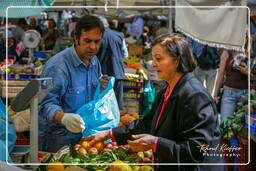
[(87, 46)]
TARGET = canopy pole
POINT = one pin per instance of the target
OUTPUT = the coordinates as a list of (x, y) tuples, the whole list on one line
[(170, 17)]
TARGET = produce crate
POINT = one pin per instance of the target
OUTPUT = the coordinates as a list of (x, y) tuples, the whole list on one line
[(21, 139), (132, 84), (14, 87), (131, 106), (131, 95), (135, 50)]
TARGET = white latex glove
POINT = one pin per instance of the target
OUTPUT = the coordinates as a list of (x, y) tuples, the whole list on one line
[(21, 121), (73, 122)]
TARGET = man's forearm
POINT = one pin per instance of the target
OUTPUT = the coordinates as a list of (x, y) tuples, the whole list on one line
[(57, 117)]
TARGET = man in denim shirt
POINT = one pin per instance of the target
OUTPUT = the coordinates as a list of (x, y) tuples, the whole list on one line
[(75, 72)]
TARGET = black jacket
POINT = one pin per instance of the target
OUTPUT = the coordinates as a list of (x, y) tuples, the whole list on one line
[(188, 121)]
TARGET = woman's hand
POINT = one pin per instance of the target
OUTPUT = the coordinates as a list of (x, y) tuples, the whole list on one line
[(142, 142), (242, 69), (99, 137), (216, 99)]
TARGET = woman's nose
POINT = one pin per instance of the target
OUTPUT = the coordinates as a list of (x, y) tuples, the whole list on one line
[(153, 64)]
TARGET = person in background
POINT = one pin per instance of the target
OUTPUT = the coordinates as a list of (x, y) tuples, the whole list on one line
[(72, 26), (19, 30), (33, 25), (145, 38), (183, 117), (163, 28), (50, 36), (75, 72), (128, 38), (235, 84), (9, 40), (114, 24), (112, 51), (208, 60)]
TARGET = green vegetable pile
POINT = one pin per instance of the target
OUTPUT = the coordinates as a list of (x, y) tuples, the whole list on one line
[(235, 123), (102, 159)]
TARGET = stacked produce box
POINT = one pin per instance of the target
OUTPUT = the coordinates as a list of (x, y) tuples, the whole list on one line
[(132, 95)]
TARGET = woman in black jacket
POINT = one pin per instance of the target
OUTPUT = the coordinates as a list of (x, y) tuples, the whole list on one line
[(182, 125)]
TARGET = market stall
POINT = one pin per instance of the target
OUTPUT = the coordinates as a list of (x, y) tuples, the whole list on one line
[(139, 91)]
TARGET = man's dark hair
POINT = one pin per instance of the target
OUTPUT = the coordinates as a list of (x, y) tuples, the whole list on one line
[(177, 47), (88, 23)]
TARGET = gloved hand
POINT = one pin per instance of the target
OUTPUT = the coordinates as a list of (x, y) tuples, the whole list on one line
[(73, 122), (21, 121)]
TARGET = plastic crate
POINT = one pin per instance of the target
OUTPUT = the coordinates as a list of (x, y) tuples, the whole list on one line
[(21, 139), (131, 96), (132, 84)]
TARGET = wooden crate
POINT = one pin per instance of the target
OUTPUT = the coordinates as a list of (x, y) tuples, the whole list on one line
[(135, 50), (14, 87), (131, 106)]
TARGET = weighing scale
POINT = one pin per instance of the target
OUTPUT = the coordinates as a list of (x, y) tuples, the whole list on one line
[(30, 97)]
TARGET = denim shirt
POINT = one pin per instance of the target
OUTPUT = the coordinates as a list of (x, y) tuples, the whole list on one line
[(74, 85)]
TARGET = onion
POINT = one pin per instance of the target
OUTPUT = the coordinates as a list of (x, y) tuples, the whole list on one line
[(82, 151), (77, 146), (93, 150), (109, 145), (148, 153)]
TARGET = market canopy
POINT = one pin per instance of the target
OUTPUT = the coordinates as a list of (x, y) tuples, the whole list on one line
[(216, 26), (152, 6), (21, 12)]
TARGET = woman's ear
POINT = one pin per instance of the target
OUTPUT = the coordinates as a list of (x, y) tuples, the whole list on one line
[(177, 62)]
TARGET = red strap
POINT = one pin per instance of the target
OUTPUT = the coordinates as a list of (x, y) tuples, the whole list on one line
[(167, 94), (166, 97)]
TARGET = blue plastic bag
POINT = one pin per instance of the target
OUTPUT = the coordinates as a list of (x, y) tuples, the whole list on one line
[(11, 133), (102, 113)]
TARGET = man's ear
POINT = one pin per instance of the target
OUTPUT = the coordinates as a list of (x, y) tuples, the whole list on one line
[(76, 40)]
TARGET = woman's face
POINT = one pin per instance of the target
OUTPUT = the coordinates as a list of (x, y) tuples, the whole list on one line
[(164, 64), (51, 24)]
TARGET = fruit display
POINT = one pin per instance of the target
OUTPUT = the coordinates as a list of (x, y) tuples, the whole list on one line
[(21, 72), (98, 157), (128, 118), (132, 59)]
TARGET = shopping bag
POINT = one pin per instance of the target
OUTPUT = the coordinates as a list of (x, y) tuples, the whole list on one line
[(11, 132), (102, 113), (149, 95)]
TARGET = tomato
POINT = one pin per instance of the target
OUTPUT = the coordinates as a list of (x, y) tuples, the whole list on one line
[(99, 146)]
